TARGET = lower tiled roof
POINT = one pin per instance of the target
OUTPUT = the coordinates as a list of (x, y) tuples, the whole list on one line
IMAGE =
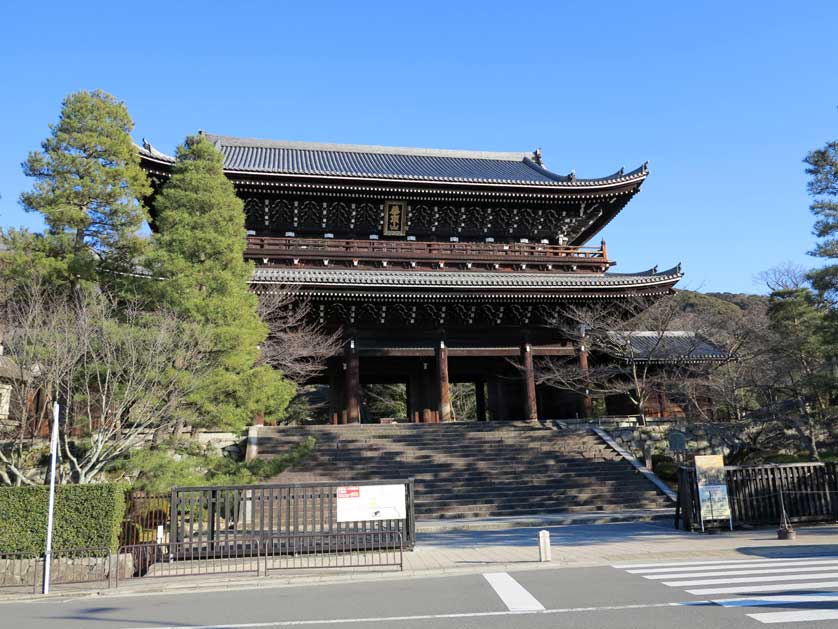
[(463, 281)]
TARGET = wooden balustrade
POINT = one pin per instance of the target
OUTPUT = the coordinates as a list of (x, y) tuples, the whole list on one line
[(407, 250)]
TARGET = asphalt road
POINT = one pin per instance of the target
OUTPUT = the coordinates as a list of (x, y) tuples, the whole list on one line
[(797, 593)]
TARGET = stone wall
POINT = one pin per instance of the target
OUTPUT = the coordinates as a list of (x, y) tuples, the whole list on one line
[(672, 437), (21, 572)]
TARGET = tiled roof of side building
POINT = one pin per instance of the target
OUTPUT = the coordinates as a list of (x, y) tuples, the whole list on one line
[(395, 163), (462, 280), (669, 345)]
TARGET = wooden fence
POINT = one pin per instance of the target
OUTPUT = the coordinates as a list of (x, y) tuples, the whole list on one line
[(758, 494)]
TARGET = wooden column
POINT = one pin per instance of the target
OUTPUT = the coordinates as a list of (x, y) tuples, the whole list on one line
[(426, 402), (335, 392), (352, 386), (480, 400), (494, 408), (444, 395), (587, 403), (530, 402), (414, 399)]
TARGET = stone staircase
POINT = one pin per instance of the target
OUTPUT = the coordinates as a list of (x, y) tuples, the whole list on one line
[(474, 470)]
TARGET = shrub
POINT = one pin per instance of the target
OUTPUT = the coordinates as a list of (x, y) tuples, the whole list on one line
[(85, 516)]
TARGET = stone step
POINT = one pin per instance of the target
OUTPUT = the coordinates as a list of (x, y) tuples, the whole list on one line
[(486, 513)]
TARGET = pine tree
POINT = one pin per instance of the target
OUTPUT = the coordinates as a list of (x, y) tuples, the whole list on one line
[(87, 184), (822, 168), (198, 253)]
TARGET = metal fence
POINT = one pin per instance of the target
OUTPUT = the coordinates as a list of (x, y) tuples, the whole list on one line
[(758, 495), (261, 511), (144, 516), (337, 550), (189, 559)]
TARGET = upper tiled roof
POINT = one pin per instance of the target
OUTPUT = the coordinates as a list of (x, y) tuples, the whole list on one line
[(463, 281), (385, 162), (668, 346)]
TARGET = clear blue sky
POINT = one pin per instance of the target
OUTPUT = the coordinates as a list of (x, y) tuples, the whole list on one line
[(723, 98)]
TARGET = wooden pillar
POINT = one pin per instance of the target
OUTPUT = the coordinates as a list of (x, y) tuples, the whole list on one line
[(530, 402), (492, 385), (352, 386), (414, 398), (587, 402), (335, 392), (426, 402), (444, 395), (480, 400)]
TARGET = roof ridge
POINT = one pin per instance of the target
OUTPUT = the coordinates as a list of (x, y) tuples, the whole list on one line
[(229, 140)]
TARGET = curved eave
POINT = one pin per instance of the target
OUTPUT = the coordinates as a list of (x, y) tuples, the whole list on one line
[(161, 165), (415, 285)]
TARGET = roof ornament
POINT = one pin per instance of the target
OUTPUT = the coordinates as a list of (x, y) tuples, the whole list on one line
[(572, 175), (147, 145), (622, 171), (536, 157)]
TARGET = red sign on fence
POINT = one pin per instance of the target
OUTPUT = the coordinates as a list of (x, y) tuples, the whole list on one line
[(349, 492)]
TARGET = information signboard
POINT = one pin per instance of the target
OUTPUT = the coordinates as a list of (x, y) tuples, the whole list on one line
[(712, 488), (362, 503)]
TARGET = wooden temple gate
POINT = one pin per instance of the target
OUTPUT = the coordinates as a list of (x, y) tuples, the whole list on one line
[(436, 266)]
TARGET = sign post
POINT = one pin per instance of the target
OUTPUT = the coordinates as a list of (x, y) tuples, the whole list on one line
[(712, 489), (53, 452)]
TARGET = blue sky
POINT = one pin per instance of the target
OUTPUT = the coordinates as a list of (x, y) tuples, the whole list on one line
[(723, 98)]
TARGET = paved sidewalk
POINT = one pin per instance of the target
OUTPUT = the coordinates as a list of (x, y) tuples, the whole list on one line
[(473, 551)]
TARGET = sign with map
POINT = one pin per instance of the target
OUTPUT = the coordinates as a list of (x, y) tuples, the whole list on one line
[(364, 503), (712, 488)]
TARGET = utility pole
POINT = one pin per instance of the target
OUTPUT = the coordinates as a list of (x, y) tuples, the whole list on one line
[(53, 452)]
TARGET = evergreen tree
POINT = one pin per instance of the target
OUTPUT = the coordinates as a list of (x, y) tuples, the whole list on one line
[(87, 182), (199, 254), (822, 168)]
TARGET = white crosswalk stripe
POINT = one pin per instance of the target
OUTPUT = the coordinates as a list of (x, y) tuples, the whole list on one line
[(806, 588)]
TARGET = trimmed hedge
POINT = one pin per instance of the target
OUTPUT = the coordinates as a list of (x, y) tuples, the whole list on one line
[(85, 516)]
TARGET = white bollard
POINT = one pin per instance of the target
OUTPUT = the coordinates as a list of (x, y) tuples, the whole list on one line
[(544, 553)]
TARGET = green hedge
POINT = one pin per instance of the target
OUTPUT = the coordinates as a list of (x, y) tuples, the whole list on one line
[(85, 516)]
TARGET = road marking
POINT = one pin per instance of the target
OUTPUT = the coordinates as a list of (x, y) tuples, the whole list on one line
[(736, 573), (802, 616), (778, 599), (735, 565), (395, 619), (514, 595), (762, 579), (777, 587), (628, 566)]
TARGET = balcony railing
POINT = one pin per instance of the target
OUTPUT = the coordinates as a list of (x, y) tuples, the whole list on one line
[(260, 247)]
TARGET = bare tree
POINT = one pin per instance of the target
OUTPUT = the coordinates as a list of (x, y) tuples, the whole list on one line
[(634, 350), (121, 373), (296, 345)]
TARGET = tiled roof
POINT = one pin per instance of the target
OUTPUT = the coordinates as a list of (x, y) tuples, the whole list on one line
[(394, 163), (668, 346), (463, 281)]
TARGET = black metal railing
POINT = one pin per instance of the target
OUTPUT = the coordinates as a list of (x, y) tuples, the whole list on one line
[(218, 514), (758, 495), (336, 550), (190, 559), (24, 571)]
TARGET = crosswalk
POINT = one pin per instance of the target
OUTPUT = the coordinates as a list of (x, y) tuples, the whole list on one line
[(771, 591)]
